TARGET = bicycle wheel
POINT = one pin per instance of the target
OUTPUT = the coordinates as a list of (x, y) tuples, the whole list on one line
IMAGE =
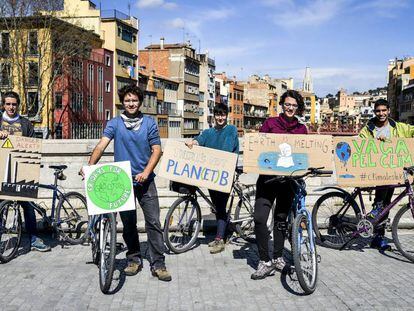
[(304, 257), (72, 218), (182, 224), (10, 230), (244, 216), (403, 231), (107, 238), (334, 218)]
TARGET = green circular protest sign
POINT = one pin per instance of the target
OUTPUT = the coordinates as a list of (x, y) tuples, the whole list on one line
[(109, 187)]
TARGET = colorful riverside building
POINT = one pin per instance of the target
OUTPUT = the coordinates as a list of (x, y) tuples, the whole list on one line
[(36, 59), (119, 34)]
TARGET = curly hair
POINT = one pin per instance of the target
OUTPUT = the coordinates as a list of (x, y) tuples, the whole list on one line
[(299, 99), (132, 89)]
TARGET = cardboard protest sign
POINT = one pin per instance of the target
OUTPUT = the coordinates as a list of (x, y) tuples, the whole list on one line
[(370, 162), (20, 159), (108, 188), (278, 154), (198, 166)]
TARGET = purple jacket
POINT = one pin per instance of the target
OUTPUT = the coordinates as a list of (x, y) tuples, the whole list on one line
[(280, 125)]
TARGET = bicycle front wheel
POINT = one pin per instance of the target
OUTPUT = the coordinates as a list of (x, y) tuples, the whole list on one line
[(182, 224), (72, 223), (107, 240), (403, 232), (304, 254), (10, 230), (335, 217)]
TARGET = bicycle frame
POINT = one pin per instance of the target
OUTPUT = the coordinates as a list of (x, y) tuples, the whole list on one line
[(299, 207)]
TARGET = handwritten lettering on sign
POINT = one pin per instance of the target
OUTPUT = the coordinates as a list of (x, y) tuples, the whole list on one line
[(370, 162), (199, 166), (278, 154), (20, 159)]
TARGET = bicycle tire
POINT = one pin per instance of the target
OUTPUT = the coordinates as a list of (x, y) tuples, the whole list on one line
[(72, 218), (107, 255), (188, 228), (5, 217), (244, 210), (339, 229), (300, 242), (402, 238)]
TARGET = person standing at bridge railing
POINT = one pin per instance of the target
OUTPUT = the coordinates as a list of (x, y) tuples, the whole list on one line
[(223, 137), (286, 123), (136, 139), (382, 127), (12, 123)]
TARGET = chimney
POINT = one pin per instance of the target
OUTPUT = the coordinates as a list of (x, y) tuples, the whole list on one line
[(162, 43)]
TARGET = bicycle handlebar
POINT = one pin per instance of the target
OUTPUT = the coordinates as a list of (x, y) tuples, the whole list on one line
[(311, 171)]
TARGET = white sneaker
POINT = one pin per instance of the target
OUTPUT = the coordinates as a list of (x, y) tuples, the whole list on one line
[(279, 263), (264, 269)]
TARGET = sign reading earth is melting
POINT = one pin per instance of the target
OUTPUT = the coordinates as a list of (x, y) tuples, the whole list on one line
[(109, 188), (370, 162), (198, 166), (278, 154)]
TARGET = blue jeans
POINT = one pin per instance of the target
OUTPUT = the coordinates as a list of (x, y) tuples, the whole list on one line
[(147, 196)]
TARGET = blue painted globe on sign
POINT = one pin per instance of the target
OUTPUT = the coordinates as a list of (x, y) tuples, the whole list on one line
[(343, 151)]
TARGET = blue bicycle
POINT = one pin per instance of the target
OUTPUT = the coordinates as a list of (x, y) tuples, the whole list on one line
[(300, 230)]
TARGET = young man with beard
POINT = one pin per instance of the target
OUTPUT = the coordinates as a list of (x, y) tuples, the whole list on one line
[(382, 127), (136, 139), (12, 123)]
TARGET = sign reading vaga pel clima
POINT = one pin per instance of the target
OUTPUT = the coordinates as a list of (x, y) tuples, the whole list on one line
[(109, 188), (198, 166)]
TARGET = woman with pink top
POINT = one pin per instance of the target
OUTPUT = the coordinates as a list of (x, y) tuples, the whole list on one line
[(286, 123)]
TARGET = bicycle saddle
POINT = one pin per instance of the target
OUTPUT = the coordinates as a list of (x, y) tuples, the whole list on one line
[(58, 167)]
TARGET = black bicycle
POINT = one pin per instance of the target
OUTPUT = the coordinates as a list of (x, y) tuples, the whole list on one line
[(183, 220), (68, 217)]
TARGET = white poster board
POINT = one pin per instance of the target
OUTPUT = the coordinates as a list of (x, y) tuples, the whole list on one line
[(198, 166), (109, 188)]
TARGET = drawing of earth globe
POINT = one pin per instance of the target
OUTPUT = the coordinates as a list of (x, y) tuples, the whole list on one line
[(109, 187), (343, 151)]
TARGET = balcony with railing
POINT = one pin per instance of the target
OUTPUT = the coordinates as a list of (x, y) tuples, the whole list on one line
[(115, 14)]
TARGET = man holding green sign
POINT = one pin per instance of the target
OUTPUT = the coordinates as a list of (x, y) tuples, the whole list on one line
[(136, 139), (382, 127)]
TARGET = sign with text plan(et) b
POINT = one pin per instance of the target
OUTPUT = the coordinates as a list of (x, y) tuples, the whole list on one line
[(280, 154), (198, 166), (109, 188), (20, 159), (369, 162)]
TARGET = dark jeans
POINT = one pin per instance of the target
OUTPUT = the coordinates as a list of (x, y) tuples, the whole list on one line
[(219, 199), (265, 196), (147, 196), (29, 218), (384, 196)]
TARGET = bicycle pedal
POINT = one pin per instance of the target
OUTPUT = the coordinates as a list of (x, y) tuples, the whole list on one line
[(318, 258)]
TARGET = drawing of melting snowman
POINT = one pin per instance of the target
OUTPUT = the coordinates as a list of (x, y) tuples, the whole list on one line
[(285, 157)]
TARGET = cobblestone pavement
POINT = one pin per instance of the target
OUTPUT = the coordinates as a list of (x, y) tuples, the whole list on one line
[(348, 280)]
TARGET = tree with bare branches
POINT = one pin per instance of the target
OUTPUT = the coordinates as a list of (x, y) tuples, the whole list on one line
[(38, 55)]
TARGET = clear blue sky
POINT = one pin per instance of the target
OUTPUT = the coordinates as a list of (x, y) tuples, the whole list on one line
[(347, 43)]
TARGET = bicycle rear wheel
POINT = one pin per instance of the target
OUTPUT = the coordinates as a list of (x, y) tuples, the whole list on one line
[(72, 214), (304, 256), (107, 238), (403, 231), (182, 224), (244, 216), (335, 217), (10, 230)]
